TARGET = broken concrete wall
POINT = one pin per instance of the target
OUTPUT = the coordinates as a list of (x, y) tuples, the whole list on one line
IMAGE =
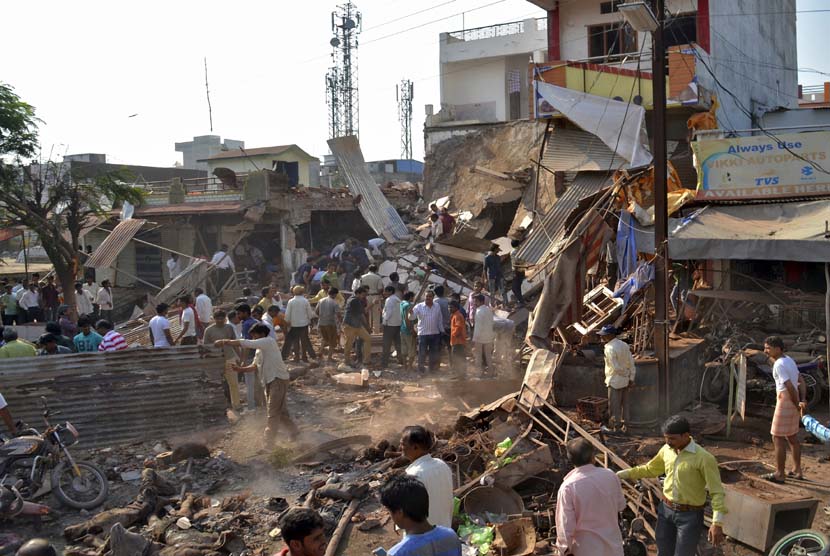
[(502, 147)]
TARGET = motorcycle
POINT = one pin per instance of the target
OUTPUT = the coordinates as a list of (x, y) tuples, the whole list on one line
[(760, 384), (28, 459)]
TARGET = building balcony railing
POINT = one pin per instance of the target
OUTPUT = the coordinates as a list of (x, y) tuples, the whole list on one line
[(625, 77), (492, 31)]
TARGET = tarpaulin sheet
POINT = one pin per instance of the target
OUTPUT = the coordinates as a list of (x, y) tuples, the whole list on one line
[(620, 125), (106, 253), (375, 208), (775, 232)]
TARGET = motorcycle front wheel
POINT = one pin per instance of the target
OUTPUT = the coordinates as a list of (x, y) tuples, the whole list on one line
[(805, 542), (85, 491)]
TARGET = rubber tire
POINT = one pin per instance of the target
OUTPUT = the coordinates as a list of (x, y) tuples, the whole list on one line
[(820, 538), (814, 394), (59, 494), (716, 392)]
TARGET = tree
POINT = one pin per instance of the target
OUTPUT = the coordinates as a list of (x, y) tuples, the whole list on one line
[(46, 198)]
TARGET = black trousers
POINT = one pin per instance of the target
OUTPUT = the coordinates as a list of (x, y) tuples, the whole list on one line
[(298, 335), (391, 336)]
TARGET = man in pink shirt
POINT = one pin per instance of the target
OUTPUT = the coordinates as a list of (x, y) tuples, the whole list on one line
[(587, 506)]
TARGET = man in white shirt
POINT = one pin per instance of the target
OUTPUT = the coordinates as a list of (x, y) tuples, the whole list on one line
[(484, 335), (83, 301), (160, 335), (298, 313), (259, 315), (273, 375), (374, 282), (204, 308), (18, 286), (30, 302), (338, 250), (436, 476), (187, 337), (224, 265), (92, 288), (588, 504), (391, 319), (619, 375), (104, 300), (788, 410), (174, 266)]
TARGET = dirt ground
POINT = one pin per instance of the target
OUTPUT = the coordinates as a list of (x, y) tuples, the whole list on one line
[(326, 411)]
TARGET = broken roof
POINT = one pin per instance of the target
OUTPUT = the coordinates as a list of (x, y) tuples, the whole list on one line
[(215, 207), (275, 150)]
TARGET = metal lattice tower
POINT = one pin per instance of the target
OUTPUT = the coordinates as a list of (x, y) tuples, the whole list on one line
[(341, 79), (405, 93)]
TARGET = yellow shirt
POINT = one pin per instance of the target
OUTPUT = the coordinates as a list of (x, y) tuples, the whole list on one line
[(689, 475), (322, 295)]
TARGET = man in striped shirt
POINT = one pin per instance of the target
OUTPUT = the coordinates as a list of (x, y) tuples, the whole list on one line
[(430, 327), (113, 341)]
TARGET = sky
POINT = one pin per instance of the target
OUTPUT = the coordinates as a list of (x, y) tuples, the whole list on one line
[(87, 67)]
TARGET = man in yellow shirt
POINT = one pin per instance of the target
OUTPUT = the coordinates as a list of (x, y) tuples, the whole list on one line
[(325, 285), (690, 471)]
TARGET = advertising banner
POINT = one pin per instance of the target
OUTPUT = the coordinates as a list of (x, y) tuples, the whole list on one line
[(760, 167)]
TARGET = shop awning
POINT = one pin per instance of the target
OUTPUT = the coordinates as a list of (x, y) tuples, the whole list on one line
[(780, 231)]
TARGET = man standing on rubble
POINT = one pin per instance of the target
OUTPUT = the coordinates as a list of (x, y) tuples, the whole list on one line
[(159, 328), (484, 336), (355, 326), (304, 533), (430, 328), (788, 408), (435, 474), (298, 313), (588, 505), (204, 309), (221, 330), (690, 472), (493, 273), (619, 376), (391, 319), (273, 375), (374, 284)]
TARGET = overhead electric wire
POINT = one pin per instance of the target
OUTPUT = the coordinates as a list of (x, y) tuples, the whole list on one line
[(748, 113)]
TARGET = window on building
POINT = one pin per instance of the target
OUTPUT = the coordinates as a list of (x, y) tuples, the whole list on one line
[(514, 94), (611, 39), (610, 7), (680, 29)]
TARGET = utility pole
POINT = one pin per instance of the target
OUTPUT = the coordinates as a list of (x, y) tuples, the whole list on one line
[(404, 93), (661, 324)]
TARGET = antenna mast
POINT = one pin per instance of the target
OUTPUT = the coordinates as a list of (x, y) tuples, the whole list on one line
[(341, 79), (207, 92), (405, 92)]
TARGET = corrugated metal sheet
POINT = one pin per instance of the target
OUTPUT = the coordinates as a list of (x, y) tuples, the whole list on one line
[(114, 243), (136, 332), (548, 230), (574, 150), (376, 210), (120, 397)]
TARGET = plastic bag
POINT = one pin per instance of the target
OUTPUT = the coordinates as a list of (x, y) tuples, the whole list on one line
[(503, 447)]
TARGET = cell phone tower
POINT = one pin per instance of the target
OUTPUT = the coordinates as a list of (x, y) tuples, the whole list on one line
[(341, 80), (405, 92)]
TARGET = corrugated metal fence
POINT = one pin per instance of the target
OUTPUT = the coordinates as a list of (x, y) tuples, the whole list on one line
[(119, 397)]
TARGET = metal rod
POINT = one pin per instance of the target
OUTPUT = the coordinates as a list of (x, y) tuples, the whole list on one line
[(661, 332)]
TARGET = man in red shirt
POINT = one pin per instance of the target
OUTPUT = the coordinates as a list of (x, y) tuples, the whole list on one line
[(303, 533)]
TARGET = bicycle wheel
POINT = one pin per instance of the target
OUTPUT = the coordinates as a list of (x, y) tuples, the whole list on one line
[(805, 542)]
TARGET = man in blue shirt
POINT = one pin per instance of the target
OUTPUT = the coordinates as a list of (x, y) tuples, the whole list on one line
[(87, 340), (243, 311), (407, 501)]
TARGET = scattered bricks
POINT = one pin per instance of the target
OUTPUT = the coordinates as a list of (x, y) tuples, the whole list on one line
[(592, 408)]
